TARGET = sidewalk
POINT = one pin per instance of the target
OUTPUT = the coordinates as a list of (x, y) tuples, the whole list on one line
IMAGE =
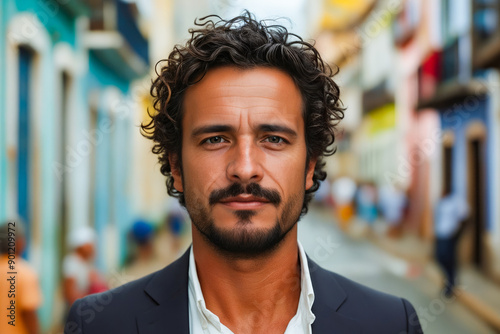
[(477, 293)]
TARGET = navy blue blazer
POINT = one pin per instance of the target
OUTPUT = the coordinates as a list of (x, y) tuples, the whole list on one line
[(158, 303)]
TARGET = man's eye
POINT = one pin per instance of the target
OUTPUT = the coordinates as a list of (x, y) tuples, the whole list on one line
[(275, 139), (214, 140)]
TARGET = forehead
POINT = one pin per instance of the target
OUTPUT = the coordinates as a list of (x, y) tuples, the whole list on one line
[(257, 93)]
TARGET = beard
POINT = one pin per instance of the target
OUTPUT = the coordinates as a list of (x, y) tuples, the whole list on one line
[(243, 240)]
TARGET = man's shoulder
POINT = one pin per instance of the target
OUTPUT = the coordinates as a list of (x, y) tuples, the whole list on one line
[(359, 292), (366, 306)]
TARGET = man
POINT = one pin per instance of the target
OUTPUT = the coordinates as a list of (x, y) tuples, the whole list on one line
[(449, 215), (245, 114), (21, 295)]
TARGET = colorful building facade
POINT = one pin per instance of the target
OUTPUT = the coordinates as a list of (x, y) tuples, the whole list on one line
[(65, 126), (428, 73), (458, 81)]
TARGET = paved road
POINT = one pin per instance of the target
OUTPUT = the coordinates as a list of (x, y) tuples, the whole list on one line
[(365, 263)]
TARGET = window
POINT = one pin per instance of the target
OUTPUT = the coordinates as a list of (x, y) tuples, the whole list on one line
[(451, 61), (485, 20)]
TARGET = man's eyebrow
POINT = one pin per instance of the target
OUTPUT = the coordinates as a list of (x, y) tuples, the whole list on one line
[(228, 128), (211, 129), (277, 128)]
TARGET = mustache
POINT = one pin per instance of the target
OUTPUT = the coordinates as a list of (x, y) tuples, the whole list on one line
[(236, 189)]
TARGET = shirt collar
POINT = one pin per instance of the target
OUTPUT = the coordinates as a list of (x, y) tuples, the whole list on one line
[(305, 302), (306, 288), (204, 314)]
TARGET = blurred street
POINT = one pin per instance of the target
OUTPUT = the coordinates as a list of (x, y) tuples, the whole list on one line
[(363, 262)]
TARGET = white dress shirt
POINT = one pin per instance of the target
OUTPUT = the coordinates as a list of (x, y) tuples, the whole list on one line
[(203, 321)]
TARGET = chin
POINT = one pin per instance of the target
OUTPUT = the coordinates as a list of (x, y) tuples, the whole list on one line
[(245, 239)]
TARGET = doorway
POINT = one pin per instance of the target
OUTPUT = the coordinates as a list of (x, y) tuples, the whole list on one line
[(25, 150), (63, 205), (477, 198)]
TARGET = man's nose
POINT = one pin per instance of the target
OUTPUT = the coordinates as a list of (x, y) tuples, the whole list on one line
[(245, 165)]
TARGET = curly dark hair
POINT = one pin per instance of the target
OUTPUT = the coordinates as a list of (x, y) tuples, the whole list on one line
[(245, 43)]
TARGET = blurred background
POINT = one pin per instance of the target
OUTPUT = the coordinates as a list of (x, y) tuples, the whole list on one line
[(421, 86)]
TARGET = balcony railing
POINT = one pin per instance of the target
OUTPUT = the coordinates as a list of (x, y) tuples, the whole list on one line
[(377, 97), (114, 37), (441, 78), (127, 26), (429, 75)]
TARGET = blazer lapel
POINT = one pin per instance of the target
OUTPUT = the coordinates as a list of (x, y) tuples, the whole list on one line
[(328, 299), (169, 289)]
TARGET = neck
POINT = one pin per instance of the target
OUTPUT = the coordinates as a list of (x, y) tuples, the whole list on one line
[(246, 293)]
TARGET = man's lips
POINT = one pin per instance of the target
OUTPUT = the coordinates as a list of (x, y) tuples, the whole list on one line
[(244, 202)]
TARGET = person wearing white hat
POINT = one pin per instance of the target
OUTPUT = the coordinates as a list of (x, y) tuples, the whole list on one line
[(79, 275)]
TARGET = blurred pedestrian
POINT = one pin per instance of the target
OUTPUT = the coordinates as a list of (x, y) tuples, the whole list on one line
[(80, 277), (366, 202), (449, 215), (144, 259), (392, 203), (25, 296), (343, 191)]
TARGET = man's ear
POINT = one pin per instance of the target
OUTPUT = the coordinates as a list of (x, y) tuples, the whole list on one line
[(176, 172), (310, 172)]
